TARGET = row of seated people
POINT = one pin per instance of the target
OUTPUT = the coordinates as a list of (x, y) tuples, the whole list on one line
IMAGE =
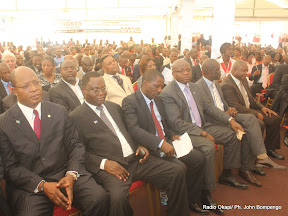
[(148, 121)]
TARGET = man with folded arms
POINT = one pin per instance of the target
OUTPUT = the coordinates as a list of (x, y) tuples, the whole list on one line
[(146, 122), (111, 154), (185, 111), (42, 157)]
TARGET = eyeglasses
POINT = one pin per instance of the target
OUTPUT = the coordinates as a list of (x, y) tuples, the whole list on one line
[(97, 91), (28, 86), (181, 71)]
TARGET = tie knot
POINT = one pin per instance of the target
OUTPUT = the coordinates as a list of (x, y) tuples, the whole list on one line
[(187, 88), (151, 103), (100, 108), (35, 112)]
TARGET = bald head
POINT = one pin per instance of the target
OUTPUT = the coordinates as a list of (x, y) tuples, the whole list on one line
[(193, 53), (211, 69), (203, 58), (239, 70), (179, 63), (181, 71), (69, 57), (26, 86)]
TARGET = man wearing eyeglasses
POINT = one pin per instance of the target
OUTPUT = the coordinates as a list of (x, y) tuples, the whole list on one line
[(67, 92), (42, 157), (185, 110)]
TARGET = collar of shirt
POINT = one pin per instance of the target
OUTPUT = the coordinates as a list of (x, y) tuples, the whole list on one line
[(236, 80), (5, 83), (147, 100), (182, 86), (70, 85), (208, 82), (28, 112), (94, 108), (263, 66)]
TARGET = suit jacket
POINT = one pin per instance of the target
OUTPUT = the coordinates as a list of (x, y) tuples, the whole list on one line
[(80, 74), (196, 73), (165, 66), (235, 99), (11, 100), (27, 161), (99, 140), (280, 102), (3, 92), (62, 94), (280, 71), (140, 123), (115, 93), (136, 73), (177, 109), (259, 67), (188, 59)]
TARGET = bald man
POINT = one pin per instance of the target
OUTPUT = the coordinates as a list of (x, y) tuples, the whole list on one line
[(260, 74), (42, 155), (5, 84), (67, 92), (86, 66), (236, 93)]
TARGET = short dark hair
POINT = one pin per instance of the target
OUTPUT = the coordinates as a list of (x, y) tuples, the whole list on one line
[(38, 55), (87, 76), (48, 58), (151, 75), (103, 58), (224, 47)]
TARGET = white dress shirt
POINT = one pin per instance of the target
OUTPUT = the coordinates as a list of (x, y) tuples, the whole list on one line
[(126, 148), (238, 83), (76, 89), (261, 78), (28, 113), (182, 87)]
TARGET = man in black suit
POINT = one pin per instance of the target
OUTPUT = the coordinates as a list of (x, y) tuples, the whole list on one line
[(197, 70), (173, 57), (5, 84), (111, 154), (124, 69), (37, 63), (280, 71), (67, 92), (260, 75), (192, 59), (42, 156), (143, 123)]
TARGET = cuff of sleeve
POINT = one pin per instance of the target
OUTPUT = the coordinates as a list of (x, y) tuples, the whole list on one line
[(76, 173), (160, 144), (36, 190), (102, 164)]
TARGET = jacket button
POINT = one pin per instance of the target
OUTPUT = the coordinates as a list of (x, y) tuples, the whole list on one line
[(43, 159)]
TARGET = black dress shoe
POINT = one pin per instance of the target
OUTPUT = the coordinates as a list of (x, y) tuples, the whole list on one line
[(259, 171), (211, 204), (286, 141), (197, 209), (231, 181), (275, 155), (247, 175)]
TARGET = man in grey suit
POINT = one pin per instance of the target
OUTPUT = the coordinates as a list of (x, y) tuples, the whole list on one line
[(148, 127), (43, 159), (185, 111), (252, 146), (67, 92), (111, 154)]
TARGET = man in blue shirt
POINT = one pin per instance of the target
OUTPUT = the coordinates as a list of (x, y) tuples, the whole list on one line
[(59, 58), (5, 85)]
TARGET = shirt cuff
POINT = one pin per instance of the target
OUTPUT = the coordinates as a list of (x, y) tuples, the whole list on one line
[(160, 144), (102, 164), (36, 190), (77, 174)]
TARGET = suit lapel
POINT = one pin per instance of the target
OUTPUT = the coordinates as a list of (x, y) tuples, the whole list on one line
[(114, 83), (3, 90), (180, 93), (237, 89), (206, 88), (46, 118), (69, 90), (22, 124), (221, 95), (144, 106)]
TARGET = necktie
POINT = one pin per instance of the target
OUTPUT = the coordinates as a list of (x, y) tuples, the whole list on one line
[(156, 122), (123, 71), (265, 77), (105, 119), (195, 62), (119, 81), (9, 87), (37, 124), (218, 101), (193, 106), (244, 95)]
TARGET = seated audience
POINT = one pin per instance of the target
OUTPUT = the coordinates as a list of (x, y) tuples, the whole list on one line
[(173, 57), (124, 69), (111, 154), (37, 177), (225, 61), (86, 66), (192, 58), (197, 70), (5, 84), (10, 59)]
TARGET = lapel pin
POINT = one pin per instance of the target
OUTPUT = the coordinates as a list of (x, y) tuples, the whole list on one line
[(193, 92), (95, 122), (17, 122), (49, 116)]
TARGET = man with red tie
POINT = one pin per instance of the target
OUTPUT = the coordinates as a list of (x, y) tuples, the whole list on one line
[(124, 69), (192, 59), (5, 84), (42, 156)]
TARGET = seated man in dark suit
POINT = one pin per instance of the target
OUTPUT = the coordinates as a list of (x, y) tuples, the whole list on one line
[(197, 71), (185, 111), (124, 69), (260, 75), (37, 63), (192, 59), (236, 93), (146, 122), (67, 92), (173, 57), (252, 145), (5, 84), (42, 156), (111, 155)]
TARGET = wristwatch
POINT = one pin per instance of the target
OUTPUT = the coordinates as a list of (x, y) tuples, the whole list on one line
[(230, 119), (42, 187)]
